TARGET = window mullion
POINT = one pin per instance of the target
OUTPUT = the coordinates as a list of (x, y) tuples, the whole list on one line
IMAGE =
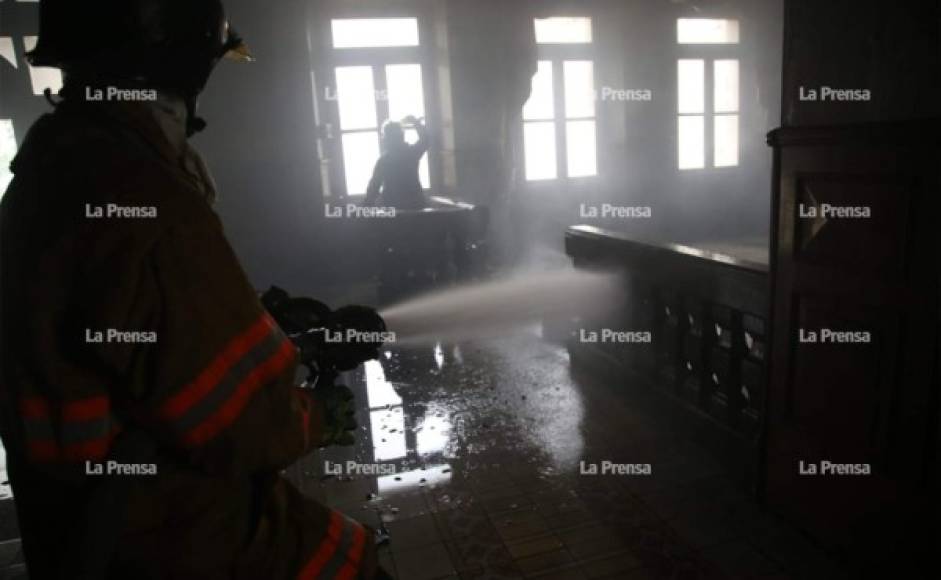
[(709, 113), (382, 88)]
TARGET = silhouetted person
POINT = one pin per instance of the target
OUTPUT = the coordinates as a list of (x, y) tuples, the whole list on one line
[(395, 181)]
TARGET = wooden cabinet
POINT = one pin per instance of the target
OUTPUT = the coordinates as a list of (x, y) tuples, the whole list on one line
[(854, 365)]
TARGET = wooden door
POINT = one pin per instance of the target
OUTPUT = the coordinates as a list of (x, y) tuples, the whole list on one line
[(855, 251)]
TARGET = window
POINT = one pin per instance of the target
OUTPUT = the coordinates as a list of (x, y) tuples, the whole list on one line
[(7, 153), (708, 89), (563, 31), (375, 32), (706, 31), (559, 120), (377, 85)]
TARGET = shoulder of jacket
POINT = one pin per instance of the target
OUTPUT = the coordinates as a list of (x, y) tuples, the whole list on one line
[(109, 164)]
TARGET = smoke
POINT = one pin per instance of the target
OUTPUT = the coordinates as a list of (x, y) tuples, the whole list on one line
[(496, 308)]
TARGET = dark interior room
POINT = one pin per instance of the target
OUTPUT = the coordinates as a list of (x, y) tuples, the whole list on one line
[(643, 289)]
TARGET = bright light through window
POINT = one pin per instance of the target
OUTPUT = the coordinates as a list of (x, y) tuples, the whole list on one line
[(541, 105), (692, 87), (539, 143), (579, 89), (360, 153), (692, 142), (42, 78), (375, 32), (563, 31), (726, 125), (7, 153), (582, 148), (580, 131), (726, 141), (539, 137), (707, 31), (357, 98), (406, 98), (726, 86)]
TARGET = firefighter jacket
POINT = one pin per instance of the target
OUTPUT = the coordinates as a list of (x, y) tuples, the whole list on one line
[(126, 317)]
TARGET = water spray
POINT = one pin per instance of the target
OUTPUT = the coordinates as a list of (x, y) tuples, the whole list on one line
[(495, 308)]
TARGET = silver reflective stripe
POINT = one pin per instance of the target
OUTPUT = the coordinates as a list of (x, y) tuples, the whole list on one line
[(339, 558)]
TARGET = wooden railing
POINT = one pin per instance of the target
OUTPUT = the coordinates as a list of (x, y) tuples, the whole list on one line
[(707, 315)]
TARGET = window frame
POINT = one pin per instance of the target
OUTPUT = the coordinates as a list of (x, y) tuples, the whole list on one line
[(709, 53), (377, 58), (558, 55)]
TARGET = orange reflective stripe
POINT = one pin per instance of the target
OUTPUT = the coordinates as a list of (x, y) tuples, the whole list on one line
[(94, 450), (232, 409), (355, 555), (326, 550), (34, 408), (43, 451), (220, 393), (86, 429), (87, 410), (340, 553), (212, 375)]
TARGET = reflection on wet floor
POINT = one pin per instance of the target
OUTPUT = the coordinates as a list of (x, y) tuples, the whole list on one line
[(5, 491), (487, 441)]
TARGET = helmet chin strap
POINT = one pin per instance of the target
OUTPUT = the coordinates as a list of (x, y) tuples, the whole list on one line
[(194, 123)]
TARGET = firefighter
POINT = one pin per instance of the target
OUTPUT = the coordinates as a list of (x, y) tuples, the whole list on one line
[(395, 182), (148, 399)]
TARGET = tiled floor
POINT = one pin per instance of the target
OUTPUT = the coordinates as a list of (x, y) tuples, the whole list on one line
[(5, 492), (12, 566), (487, 440)]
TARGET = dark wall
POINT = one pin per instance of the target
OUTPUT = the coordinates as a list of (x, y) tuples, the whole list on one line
[(261, 146), (892, 49)]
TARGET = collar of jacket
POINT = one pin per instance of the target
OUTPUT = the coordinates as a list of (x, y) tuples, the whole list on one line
[(162, 124)]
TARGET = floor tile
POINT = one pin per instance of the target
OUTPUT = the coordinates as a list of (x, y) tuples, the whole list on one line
[(571, 573), (740, 560), (592, 542), (413, 533), (608, 566), (533, 546), (546, 562), (426, 563), (516, 525)]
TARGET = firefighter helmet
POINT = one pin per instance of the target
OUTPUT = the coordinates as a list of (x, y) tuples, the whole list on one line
[(167, 44)]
